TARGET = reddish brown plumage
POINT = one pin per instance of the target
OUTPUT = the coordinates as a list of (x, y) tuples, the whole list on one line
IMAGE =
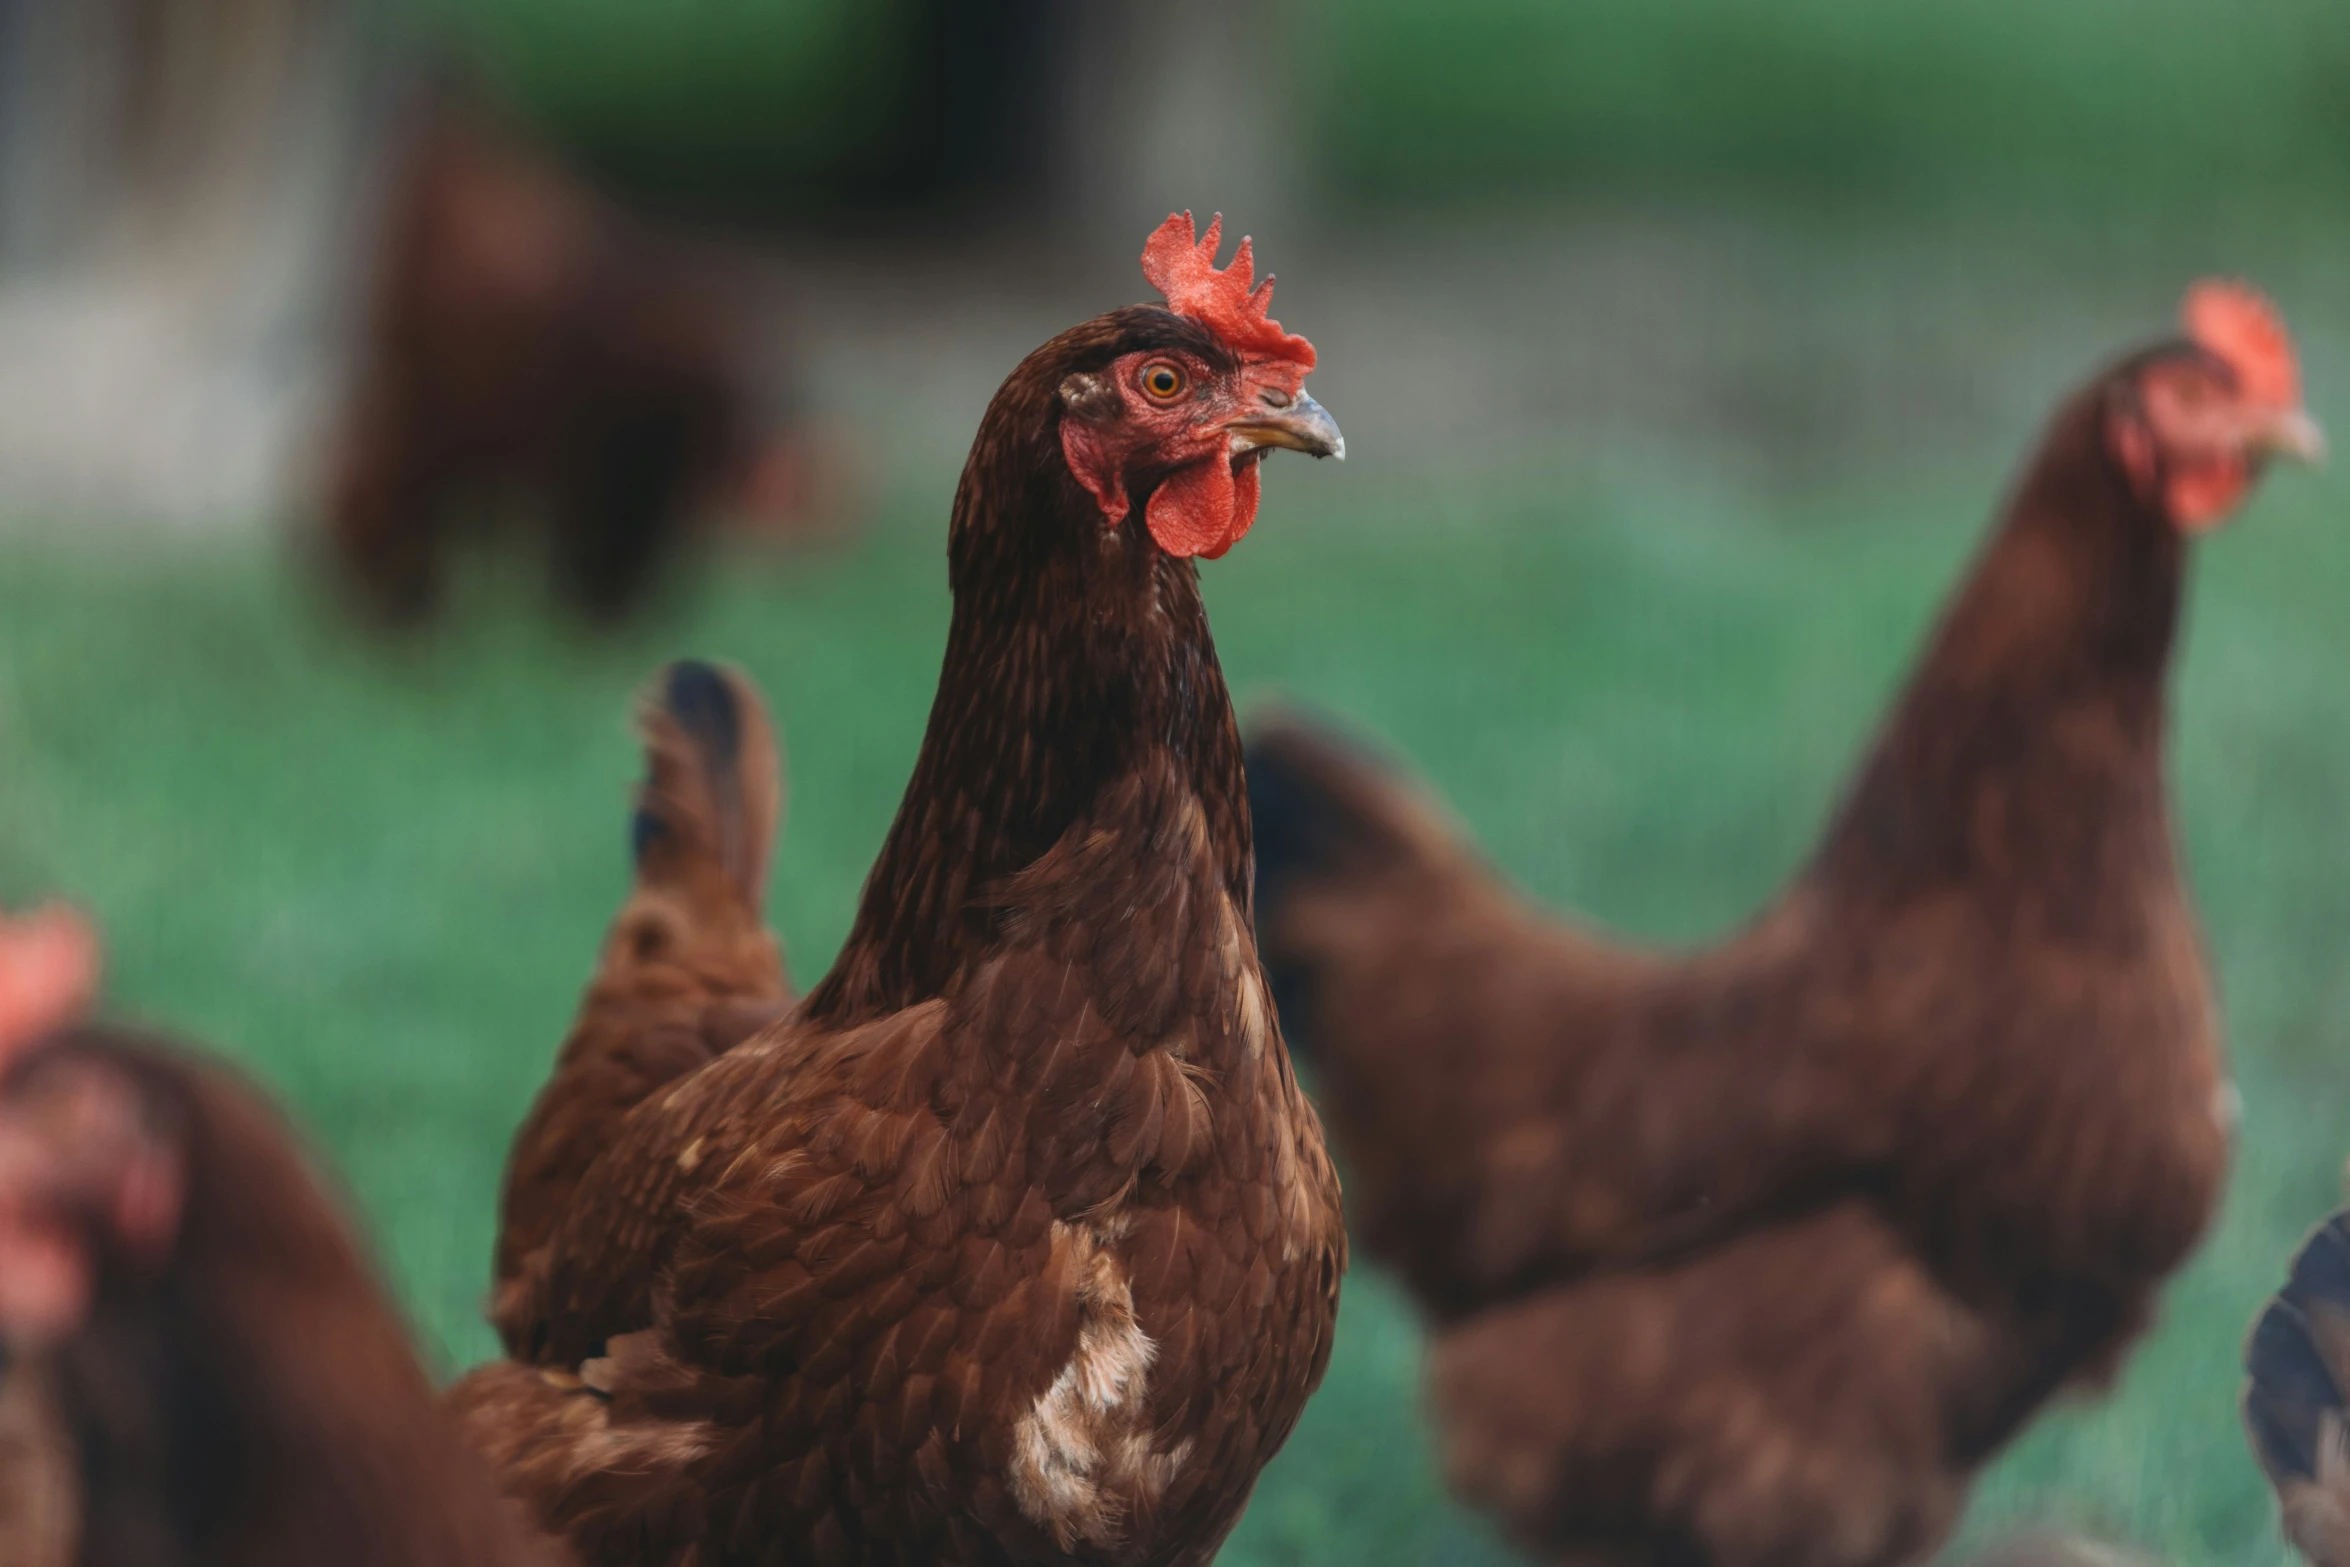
[(1752, 1255), (527, 344), (688, 970), (239, 1389), (1016, 1242)]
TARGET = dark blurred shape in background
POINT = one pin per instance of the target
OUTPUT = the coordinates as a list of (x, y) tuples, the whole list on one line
[(525, 343)]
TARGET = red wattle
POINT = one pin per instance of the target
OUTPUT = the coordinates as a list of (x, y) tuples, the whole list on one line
[(1203, 509), (1244, 507), (2202, 496)]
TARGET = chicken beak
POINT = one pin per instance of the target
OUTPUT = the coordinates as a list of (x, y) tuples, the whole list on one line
[(2292, 433), (1302, 426)]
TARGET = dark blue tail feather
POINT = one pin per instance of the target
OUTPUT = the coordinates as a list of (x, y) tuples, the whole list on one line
[(698, 696), (2290, 1387)]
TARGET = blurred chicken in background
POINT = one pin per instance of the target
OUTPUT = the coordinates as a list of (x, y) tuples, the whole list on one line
[(256, 263), (528, 346), (200, 1364), (1756, 1254)]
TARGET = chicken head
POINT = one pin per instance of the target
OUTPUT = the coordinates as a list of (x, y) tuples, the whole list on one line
[(2193, 424), (86, 1174), (1188, 427)]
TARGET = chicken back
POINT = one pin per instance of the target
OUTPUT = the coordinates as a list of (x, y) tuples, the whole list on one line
[(1754, 1254), (1015, 1241)]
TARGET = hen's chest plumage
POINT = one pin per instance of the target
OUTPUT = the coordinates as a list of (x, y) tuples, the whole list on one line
[(2049, 1075), (1044, 1268), (1195, 1210)]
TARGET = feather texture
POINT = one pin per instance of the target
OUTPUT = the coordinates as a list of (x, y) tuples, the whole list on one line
[(688, 970), (1754, 1254), (1016, 1240)]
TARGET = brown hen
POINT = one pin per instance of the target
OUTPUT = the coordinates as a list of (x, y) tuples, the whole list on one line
[(1754, 1254), (201, 1366), (1016, 1242), (526, 344)]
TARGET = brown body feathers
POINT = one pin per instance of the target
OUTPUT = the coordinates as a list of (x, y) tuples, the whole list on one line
[(1016, 1241), (687, 972), (1754, 1255)]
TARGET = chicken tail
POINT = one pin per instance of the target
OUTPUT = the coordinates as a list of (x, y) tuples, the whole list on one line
[(2297, 1366), (573, 1464), (713, 789), (1330, 819), (688, 971)]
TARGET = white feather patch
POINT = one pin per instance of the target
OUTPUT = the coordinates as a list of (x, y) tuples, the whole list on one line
[(1082, 1458)]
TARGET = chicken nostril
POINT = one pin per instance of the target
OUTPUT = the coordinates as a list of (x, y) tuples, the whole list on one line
[(1274, 397)]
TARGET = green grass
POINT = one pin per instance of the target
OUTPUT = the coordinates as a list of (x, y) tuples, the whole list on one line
[(380, 879)]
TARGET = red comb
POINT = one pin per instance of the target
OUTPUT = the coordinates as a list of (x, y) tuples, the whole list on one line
[(1185, 271), (2236, 322), (48, 971)]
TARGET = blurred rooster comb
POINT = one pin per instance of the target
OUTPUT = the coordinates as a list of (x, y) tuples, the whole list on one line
[(2235, 321), (1185, 271)]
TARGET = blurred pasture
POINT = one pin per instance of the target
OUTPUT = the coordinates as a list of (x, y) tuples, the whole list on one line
[(1683, 351)]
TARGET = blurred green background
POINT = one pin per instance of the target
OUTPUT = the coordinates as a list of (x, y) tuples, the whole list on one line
[(1765, 301), (2003, 102)]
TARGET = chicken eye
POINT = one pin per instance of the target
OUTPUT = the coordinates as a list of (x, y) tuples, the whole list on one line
[(1162, 383)]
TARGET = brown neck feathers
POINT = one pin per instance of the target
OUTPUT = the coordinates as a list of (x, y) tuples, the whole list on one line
[(2031, 732), (1078, 655)]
